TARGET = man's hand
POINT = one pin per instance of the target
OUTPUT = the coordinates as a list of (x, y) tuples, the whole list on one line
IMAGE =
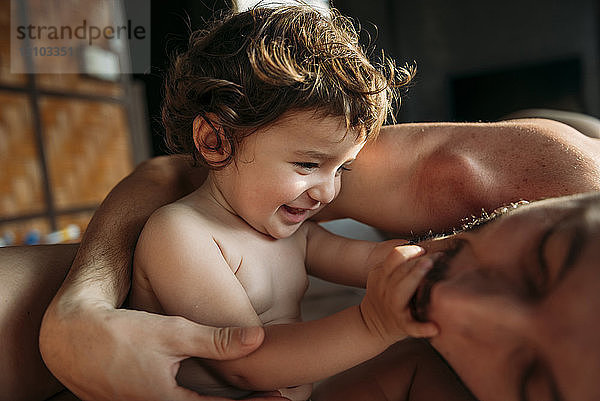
[(106, 354)]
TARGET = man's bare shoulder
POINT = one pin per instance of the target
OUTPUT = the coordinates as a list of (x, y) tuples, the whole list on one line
[(439, 173), (440, 133)]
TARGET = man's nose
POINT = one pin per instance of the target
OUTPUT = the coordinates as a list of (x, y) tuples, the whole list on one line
[(324, 190)]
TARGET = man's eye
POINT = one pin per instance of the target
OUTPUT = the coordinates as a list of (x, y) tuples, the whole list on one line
[(308, 166), (557, 252), (538, 385)]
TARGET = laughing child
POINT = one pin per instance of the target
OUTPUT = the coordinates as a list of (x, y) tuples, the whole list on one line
[(276, 103)]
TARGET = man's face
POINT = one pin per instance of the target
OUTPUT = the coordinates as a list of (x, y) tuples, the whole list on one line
[(518, 306), (287, 172)]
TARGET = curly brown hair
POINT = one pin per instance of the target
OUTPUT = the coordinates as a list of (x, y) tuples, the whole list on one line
[(250, 68)]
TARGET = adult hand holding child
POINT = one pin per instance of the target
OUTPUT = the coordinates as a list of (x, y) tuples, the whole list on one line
[(173, 339)]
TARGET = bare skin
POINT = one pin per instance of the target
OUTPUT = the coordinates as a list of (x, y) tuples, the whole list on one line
[(236, 252), (408, 370), (27, 287), (414, 157), (93, 289), (533, 314), (516, 304), (436, 174)]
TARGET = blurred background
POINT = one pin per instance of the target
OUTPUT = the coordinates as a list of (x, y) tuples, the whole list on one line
[(67, 138)]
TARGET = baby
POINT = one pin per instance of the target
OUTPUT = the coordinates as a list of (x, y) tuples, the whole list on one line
[(277, 103)]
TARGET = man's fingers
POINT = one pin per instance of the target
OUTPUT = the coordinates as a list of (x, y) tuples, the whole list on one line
[(192, 339), (235, 342)]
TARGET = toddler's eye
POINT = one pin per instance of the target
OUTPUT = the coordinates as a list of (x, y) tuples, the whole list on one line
[(341, 169), (308, 166)]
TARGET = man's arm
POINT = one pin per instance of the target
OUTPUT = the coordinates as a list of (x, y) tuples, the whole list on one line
[(103, 353), (429, 176), (106, 251)]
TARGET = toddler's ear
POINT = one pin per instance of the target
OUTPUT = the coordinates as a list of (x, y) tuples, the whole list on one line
[(210, 140)]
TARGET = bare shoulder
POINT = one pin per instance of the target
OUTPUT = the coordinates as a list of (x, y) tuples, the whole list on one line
[(181, 263), (444, 132), (177, 216), (488, 164), (438, 173), (504, 150), (170, 230), (532, 157), (316, 237)]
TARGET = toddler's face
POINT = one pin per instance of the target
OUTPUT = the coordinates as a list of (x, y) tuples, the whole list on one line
[(287, 172)]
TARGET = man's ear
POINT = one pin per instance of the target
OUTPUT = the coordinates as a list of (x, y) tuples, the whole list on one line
[(210, 141)]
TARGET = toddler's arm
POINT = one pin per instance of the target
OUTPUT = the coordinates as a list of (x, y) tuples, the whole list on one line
[(310, 351), (343, 260)]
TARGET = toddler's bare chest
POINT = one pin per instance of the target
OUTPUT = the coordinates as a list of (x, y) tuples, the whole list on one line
[(273, 274)]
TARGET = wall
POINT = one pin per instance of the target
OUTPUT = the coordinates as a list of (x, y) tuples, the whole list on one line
[(458, 38)]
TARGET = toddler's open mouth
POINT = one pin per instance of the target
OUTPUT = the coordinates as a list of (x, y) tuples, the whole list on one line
[(294, 215), (294, 210)]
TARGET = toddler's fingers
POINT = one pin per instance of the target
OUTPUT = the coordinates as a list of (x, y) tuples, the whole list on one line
[(409, 281), (400, 255)]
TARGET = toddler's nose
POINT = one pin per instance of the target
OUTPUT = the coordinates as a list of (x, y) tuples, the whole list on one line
[(324, 191)]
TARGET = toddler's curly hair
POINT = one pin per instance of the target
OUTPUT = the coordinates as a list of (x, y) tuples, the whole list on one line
[(249, 68)]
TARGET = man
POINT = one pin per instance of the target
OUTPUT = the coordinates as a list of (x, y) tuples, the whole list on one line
[(516, 301), (414, 178)]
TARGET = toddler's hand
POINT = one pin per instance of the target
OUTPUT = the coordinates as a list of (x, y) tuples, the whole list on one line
[(390, 287)]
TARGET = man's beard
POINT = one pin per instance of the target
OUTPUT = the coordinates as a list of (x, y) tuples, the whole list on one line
[(419, 303)]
